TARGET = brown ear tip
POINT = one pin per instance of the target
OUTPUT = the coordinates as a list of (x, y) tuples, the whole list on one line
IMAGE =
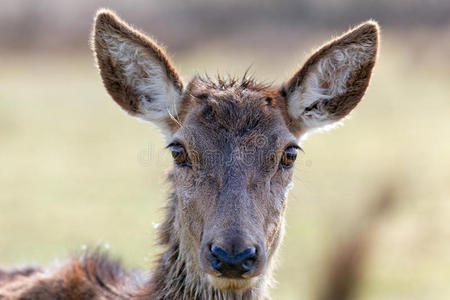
[(105, 16), (370, 27), (372, 23)]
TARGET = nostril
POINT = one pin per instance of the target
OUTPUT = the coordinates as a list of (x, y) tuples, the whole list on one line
[(218, 257), (248, 264), (218, 252), (250, 252), (215, 263), (248, 258)]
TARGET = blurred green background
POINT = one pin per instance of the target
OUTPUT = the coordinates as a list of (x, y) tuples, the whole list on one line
[(75, 170)]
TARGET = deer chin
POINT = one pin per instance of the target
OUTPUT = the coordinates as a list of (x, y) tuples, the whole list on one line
[(223, 283)]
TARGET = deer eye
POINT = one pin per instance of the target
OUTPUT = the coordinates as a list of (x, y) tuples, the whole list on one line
[(288, 158), (180, 155)]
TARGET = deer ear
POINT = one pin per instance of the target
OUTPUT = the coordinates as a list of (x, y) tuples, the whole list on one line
[(136, 72), (333, 80)]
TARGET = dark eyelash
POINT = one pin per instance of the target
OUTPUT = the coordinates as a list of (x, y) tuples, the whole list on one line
[(174, 143), (296, 147)]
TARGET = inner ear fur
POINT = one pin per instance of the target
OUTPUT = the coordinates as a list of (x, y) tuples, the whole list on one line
[(135, 71), (333, 80)]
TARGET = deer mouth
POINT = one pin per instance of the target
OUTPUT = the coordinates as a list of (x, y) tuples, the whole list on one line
[(224, 283)]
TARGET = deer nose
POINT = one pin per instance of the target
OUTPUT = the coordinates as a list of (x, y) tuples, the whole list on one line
[(232, 266)]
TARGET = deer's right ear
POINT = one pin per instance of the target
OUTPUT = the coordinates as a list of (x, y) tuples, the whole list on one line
[(136, 72)]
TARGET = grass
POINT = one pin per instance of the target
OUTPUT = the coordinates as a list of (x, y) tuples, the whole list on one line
[(75, 170)]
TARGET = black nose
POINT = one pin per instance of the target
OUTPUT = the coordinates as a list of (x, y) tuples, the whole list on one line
[(232, 266)]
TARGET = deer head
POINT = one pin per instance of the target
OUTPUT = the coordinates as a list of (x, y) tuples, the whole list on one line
[(234, 142)]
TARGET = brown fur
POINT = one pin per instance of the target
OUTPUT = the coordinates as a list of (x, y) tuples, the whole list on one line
[(90, 276), (233, 193)]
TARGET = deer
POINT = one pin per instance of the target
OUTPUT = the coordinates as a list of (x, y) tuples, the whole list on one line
[(234, 142)]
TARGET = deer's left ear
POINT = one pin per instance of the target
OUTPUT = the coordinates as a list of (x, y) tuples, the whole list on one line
[(333, 80)]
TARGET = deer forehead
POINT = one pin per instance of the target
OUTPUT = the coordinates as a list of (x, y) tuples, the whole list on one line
[(233, 130), (244, 114)]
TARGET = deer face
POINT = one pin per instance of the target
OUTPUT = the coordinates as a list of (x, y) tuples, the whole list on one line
[(234, 143), (233, 157)]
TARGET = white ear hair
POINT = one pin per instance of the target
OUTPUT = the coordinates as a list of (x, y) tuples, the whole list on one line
[(136, 72), (157, 96), (334, 79)]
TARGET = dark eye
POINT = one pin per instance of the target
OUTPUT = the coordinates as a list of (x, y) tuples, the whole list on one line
[(180, 155), (288, 158)]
